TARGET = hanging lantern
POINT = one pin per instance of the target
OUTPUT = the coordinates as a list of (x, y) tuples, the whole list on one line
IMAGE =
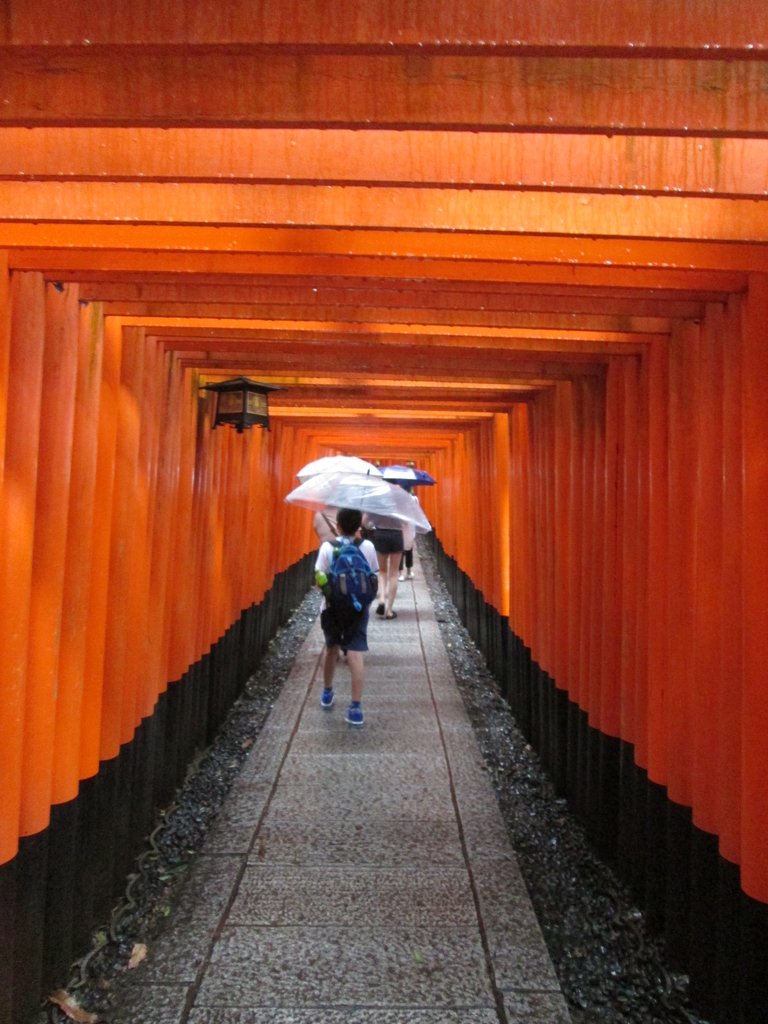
[(241, 402)]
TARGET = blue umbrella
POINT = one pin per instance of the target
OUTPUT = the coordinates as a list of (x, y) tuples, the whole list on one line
[(423, 477), (407, 476)]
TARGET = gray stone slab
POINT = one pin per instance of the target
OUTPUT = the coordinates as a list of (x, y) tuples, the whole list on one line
[(414, 693), (392, 650), (229, 840), (521, 960), (403, 1015), (378, 716), (398, 800), (452, 718), (339, 967), (342, 841), (284, 712), (142, 1002), (408, 712), (372, 738), (477, 797), (206, 891), (352, 897), (378, 767), (244, 804), (265, 756), (486, 838), (536, 1008), (503, 898), (397, 663), (176, 956), (397, 718), (468, 767), (393, 632), (434, 650), (231, 830)]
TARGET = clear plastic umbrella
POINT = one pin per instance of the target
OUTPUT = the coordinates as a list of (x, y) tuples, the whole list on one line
[(338, 464), (353, 490)]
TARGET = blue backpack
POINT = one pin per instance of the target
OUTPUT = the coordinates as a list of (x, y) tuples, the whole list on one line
[(352, 583)]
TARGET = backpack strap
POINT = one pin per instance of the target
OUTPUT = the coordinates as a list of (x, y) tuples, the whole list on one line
[(343, 541)]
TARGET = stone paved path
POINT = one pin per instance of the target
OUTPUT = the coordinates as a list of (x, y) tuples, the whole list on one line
[(357, 876)]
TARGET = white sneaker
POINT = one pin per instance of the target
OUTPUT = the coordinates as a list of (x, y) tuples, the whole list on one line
[(410, 575), (401, 578)]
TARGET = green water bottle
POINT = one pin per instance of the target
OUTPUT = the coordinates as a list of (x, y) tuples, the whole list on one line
[(322, 581)]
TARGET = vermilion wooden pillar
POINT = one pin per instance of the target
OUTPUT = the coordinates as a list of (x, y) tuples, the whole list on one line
[(59, 371), (728, 712), (754, 861), (95, 742), (180, 594), (27, 299), (122, 597), (78, 558), (17, 533), (501, 476), (5, 355)]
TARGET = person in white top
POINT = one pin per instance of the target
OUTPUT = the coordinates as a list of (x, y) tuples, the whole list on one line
[(324, 525), (355, 643)]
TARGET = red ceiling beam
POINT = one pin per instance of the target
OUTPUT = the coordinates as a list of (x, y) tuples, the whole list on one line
[(647, 165), (684, 26), (373, 316), (244, 207), (262, 87), (387, 294), (299, 248), (426, 364), (58, 263)]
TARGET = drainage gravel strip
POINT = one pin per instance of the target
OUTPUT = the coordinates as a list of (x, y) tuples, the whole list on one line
[(611, 970)]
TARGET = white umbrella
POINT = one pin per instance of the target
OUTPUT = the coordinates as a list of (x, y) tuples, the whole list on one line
[(338, 464), (353, 490), (402, 474)]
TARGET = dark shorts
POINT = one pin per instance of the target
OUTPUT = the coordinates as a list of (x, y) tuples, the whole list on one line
[(388, 542), (352, 637)]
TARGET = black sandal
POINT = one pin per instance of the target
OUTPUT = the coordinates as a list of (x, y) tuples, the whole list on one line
[(392, 615), (380, 609)]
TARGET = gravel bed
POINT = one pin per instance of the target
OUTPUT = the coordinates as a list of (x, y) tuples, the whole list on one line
[(611, 970)]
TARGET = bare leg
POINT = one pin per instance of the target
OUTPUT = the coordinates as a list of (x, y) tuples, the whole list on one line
[(355, 662), (329, 665), (391, 563)]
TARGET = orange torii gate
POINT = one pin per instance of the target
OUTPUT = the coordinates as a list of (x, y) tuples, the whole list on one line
[(525, 246)]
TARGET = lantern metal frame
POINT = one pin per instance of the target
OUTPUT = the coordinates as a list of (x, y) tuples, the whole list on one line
[(241, 403)]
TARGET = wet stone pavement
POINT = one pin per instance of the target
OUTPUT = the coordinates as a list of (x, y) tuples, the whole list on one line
[(353, 874), (241, 869)]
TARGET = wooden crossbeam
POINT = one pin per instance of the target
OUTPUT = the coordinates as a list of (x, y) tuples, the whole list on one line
[(664, 165), (258, 86), (58, 209)]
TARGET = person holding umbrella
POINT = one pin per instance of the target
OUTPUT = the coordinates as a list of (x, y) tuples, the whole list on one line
[(386, 506), (324, 525), (387, 535), (352, 635)]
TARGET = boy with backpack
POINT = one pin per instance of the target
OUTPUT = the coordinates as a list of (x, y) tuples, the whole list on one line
[(346, 572)]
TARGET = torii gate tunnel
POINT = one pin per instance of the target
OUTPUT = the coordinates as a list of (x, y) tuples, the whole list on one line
[(524, 246)]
